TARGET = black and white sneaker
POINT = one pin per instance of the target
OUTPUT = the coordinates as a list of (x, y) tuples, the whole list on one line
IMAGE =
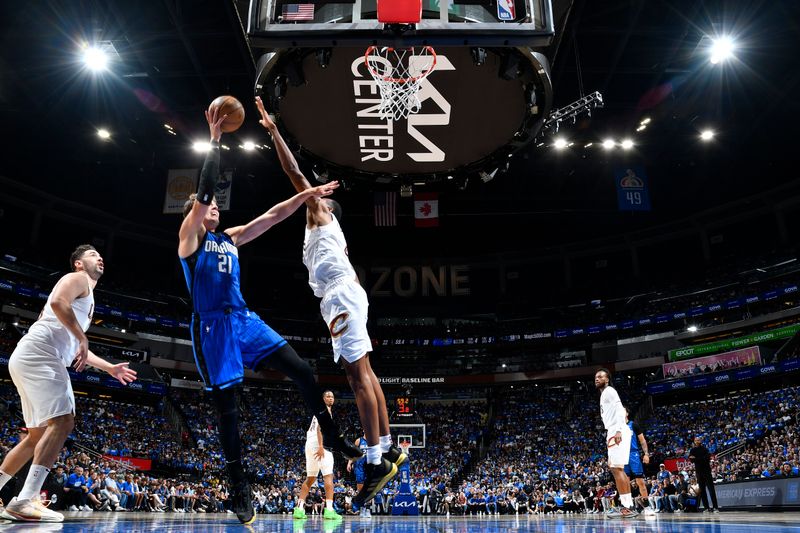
[(377, 476), (395, 455)]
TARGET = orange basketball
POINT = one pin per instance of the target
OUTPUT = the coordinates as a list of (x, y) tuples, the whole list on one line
[(228, 105)]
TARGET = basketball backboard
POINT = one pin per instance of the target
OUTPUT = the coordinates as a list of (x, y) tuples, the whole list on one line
[(488, 95)]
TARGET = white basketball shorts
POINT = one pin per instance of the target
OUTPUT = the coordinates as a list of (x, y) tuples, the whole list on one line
[(43, 384), (344, 308), (619, 454), (314, 466)]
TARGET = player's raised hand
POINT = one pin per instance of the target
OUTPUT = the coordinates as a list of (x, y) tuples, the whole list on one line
[(323, 190), (215, 122), (266, 120)]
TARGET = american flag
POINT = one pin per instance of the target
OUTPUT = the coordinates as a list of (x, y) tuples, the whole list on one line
[(298, 12), (385, 208)]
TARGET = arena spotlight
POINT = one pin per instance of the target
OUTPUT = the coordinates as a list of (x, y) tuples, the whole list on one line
[(248, 146), (707, 135), (560, 143), (721, 49), (608, 144), (201, 146), (691, 329), (95, 58), (626, 144), (104, 134)]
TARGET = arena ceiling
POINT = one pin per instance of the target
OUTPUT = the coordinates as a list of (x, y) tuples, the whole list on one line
[(646, 57)]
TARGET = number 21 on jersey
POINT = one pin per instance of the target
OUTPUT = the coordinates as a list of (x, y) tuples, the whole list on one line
[(224, 263)]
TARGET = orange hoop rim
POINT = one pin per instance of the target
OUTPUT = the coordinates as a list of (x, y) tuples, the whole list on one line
[(390, 79)]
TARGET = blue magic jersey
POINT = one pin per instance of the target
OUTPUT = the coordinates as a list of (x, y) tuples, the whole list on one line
[(212, 274)]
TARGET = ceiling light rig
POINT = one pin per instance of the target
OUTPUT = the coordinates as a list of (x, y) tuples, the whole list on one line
[(571, 112)]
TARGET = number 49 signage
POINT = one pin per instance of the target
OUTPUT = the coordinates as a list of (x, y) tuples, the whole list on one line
[(632, 194)]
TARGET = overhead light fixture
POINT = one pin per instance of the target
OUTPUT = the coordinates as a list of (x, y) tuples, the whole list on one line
[(645, 121), (608, 144), (248, 146), (201, 146), (627, 144), (707, 135), (560, 143), (691, 329), (95, 59), (721, 49), (104, 134), (588, 145)]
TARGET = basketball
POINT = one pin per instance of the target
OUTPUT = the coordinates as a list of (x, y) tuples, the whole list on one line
[(228, 105)]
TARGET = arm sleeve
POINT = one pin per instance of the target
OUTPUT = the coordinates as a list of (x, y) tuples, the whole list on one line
[(209, 175)]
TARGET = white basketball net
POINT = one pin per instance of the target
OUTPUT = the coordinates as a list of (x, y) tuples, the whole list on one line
[(398, 73)]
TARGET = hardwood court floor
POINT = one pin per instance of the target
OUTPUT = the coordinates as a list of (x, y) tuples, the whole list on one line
[(726, 522)]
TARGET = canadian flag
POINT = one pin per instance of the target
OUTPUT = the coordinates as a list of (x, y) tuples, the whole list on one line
[(426, 209)]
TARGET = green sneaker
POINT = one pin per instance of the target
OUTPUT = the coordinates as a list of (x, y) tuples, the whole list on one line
[(299, 513), (330, 514)]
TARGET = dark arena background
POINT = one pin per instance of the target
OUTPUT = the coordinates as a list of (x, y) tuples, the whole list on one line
[(586, 184)]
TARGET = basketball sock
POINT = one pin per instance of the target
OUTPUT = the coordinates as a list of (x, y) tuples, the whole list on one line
[(228, 424), (626, 500), (33, 483), (301, 504), (4, 478), (386, 442), (374, 454), (329, 504)]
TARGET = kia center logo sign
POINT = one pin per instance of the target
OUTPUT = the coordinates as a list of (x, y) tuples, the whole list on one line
[(468, 112)]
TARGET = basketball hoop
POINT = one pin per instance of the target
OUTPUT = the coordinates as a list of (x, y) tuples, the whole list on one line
[(398, 73), (405, 446)]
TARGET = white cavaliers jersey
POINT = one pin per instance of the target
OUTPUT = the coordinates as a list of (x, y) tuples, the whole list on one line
[(49, 334), (612, 411), (325, 256), (311, 435)]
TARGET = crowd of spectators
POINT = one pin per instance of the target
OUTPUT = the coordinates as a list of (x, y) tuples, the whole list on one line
[(545, 452)]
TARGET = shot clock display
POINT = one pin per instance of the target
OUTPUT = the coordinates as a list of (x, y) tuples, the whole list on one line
[(405, 406)]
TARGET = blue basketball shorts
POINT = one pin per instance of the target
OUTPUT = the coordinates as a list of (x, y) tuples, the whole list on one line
[(634, 469), (227, 341)]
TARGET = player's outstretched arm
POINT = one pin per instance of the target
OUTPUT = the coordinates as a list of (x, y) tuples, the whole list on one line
[(121, 371), (277, 213), (192, 229), (317, 211)]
